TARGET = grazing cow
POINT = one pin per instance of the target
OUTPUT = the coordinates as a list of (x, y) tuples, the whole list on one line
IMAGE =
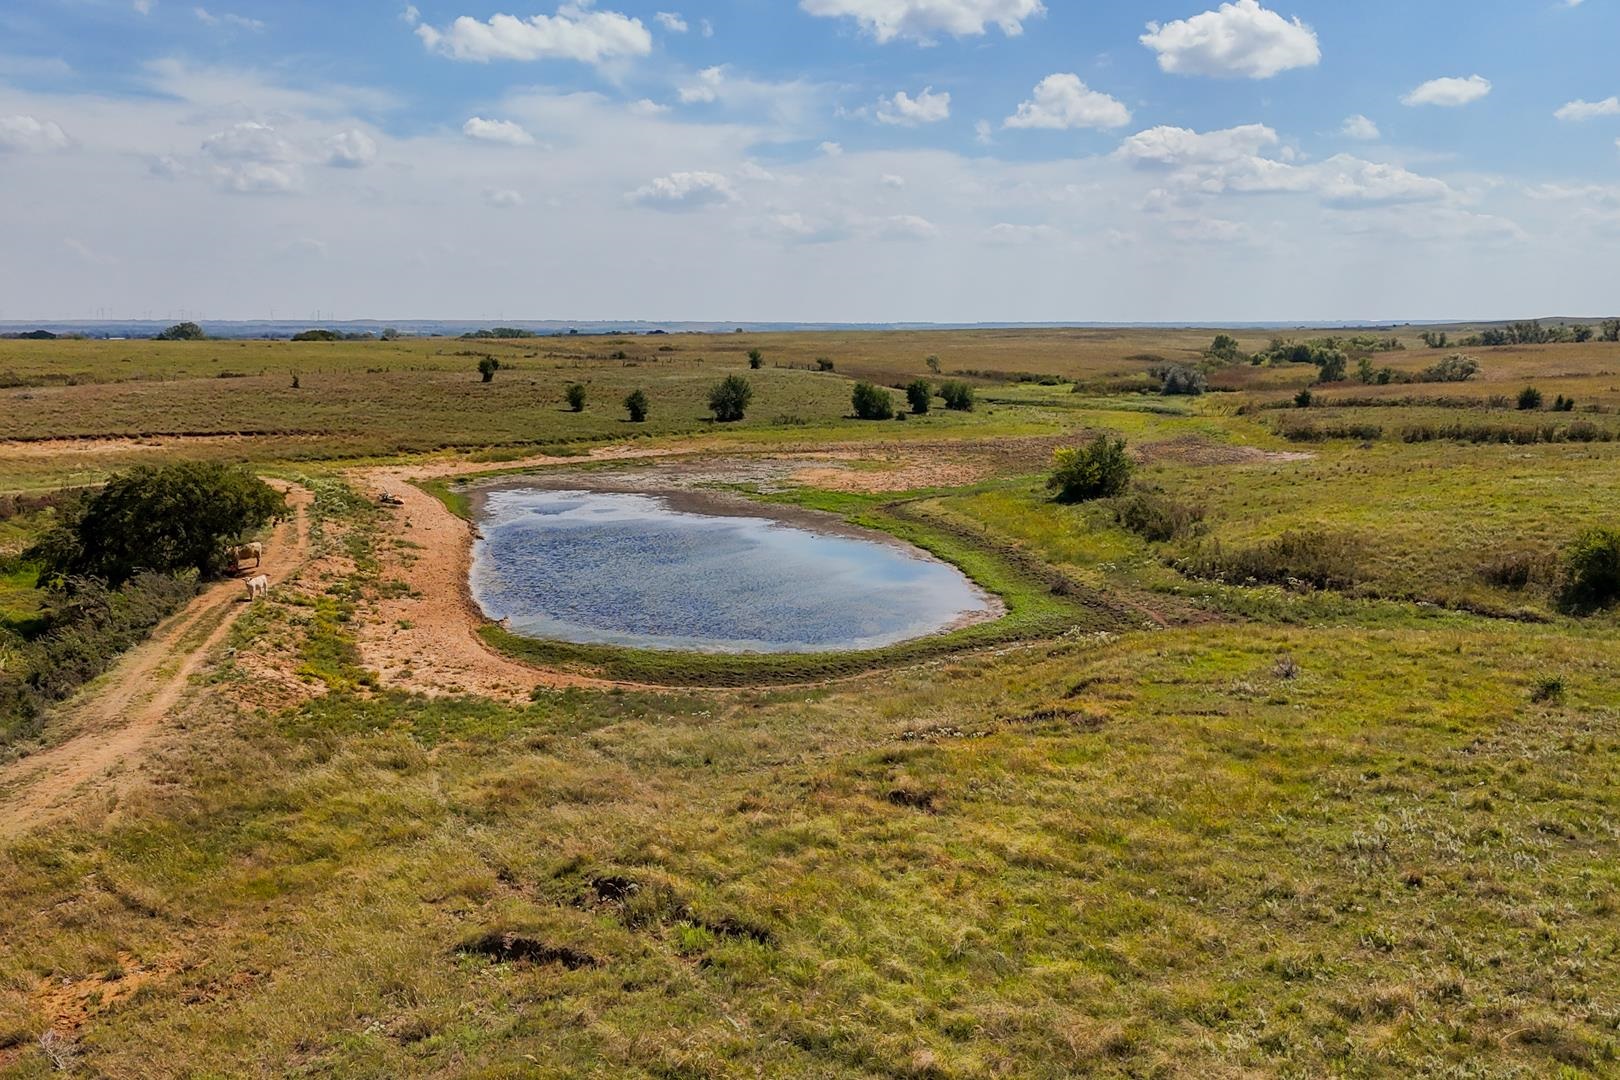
[(254, 549), (257, 587)]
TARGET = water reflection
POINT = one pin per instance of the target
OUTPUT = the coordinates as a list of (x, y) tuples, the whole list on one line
[(620, 569)]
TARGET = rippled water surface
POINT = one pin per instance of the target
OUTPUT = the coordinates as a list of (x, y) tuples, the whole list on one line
[(603, 568)]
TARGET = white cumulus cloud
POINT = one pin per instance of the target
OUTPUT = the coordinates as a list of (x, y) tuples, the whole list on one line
[(575, 32), (496, 131), (685, 191), (927, 107), (1450, 92), (1239, 40), (352, 149), (32, 135), (1063, 101), (923, 20), (706, 89), (1586, 110), (671, 21), (1359, 127), (503, 198)]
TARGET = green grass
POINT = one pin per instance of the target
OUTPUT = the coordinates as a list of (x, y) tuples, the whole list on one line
[(1290, 833)]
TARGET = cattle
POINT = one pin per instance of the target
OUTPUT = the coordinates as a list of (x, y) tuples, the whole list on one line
[(255, 549), (258, 586)]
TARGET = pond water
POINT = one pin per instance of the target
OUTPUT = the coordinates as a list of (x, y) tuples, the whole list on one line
[(639, 570)]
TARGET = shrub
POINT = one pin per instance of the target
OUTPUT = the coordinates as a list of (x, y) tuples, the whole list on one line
[(1296, 559), (1156, 516), (1454, 368), (86, 626), (576, 397), (1529, 398), (1098, 470), (1548, 690), (958, 396), (1331, 366), (167, 520), (186, 331), (729, 399), (1225, 349), (1592, 570), (756, 359), (823, 364), (487, 367), (1564, 404), (872, 403), (920, 396), (1177, 380), (317, 335), (1304, 398), (1305, 431), (636, 405), (932, 363)]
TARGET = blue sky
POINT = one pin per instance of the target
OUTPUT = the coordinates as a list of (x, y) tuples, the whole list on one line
[(882, 160)]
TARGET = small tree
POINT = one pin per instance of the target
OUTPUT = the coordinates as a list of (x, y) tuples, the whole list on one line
[(576, 397), (1225, 349), (1364, 370), (933, 364), (1581, 333), (958, 396), (729, 399), (1592, 570), (1564, 404), (1096, 471), (390, 334), (1611, 330), (756, 359), (1304, 398), (1177, 380), (1435, 339), (1331, 366), (920, 396), (823, 364), (636, 405), (487, 367), (1529, 399), (872, 403), (186, 331), (168, 520)]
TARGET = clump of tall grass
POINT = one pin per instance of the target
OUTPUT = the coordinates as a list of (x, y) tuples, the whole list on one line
[(1155, 515), (1298, 559)]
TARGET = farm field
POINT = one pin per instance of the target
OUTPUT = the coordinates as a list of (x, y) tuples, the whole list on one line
[(1293, 758)]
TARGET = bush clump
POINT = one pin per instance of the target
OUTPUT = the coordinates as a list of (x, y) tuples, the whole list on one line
[(1298, 559), (185, 331), (1177, 380), (1156, 516), (576, 397), (1454, 368), (1592, 571), (1099, 470), (636, 405), (756, 359), (1530, 398), (729, 399), (487, 367), (166, 520), (87, 625), (920, 396), (958, 395), (872, 402)]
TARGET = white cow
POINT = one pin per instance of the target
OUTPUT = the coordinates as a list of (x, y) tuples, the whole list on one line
[(254, 549), (258, 586)]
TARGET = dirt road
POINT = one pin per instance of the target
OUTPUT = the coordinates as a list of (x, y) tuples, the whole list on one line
[(114, 718)]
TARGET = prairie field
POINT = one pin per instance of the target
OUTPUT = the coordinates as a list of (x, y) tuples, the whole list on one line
[(1293, 758)]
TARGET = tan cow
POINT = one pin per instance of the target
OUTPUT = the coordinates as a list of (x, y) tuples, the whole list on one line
[(254, 549)]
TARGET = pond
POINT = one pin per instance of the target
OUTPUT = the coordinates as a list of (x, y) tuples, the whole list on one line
[(690, 573)]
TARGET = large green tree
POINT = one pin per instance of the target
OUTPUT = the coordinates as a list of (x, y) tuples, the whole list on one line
[(167, 519)]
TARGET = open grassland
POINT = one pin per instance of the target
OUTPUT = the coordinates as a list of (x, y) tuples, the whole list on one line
[(1164, 819)]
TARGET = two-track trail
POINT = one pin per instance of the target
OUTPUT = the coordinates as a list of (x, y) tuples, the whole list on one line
[(114, 719)]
